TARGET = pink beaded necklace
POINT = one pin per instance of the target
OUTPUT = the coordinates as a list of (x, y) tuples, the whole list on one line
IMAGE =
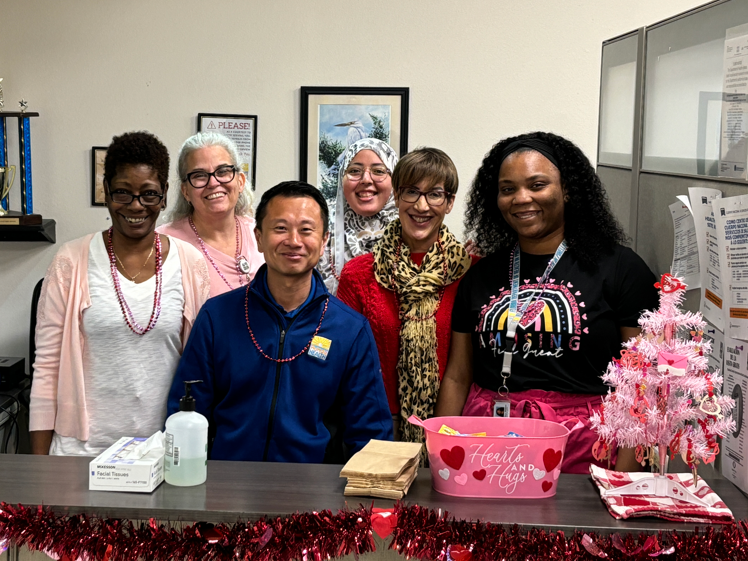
[(259, 348), (126, 311), (242, 265)]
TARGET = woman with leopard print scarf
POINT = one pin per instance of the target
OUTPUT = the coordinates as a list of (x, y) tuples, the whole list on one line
[(363, 208), (406, 287)]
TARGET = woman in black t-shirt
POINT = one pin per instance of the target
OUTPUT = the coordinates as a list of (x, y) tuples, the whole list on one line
[(536, 322)]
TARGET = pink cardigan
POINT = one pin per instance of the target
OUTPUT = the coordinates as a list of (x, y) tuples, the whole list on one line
[(58, 395)]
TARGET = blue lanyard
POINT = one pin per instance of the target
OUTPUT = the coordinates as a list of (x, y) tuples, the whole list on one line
[(514, 317)]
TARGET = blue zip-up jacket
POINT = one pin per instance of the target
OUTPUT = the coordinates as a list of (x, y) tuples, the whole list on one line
[(260, 410)]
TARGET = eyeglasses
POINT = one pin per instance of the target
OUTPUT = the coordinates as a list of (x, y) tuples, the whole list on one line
[(433, 198), (125, 198), (199, 179), (377, 173)]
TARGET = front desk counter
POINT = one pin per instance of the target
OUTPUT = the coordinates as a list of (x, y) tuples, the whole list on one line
[(247, 491)]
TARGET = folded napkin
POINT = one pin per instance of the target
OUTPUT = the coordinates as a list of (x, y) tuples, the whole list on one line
[(634, 506), (381, 459), (382, 469)]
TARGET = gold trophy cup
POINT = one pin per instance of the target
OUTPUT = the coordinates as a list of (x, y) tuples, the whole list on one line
[(7, 176)]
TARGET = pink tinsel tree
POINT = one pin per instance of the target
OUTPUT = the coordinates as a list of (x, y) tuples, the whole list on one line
[(664, 396)]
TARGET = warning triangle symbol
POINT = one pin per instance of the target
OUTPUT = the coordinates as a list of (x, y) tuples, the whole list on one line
[(211, 125)]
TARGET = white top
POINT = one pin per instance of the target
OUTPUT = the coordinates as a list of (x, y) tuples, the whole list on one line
[(127, 376)]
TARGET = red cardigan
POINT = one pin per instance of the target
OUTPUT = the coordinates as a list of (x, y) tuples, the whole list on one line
[(360, 290)]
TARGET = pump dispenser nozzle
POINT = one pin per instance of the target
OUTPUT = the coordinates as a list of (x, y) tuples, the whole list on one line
[(187, 403)]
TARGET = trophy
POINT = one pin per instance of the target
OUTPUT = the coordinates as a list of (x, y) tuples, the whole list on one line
[(7, 175)]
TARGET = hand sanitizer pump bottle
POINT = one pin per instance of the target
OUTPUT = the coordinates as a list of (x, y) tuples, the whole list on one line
[(186, 443)]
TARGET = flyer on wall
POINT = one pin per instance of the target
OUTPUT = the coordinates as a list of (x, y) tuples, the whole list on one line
[(731, 216), (706, 240), (734, 460), (685, 250), (734, 141)]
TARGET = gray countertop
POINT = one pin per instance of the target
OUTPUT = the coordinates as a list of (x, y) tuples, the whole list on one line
[(247, 490)]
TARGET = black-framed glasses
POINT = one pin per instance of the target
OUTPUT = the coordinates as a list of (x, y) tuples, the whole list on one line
[(200, 179), (433, 198), (145, 199), (377, 173)]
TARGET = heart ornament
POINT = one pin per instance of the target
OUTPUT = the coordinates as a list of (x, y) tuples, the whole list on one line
[(457, 552), (600, 450), (710, 406)]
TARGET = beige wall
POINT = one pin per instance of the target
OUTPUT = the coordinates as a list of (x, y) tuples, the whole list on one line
[(478, 70)]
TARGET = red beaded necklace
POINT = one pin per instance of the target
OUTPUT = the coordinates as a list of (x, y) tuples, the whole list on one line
[(126, 311), (395, 263), (242, 265), (332, 263), (259, 348)]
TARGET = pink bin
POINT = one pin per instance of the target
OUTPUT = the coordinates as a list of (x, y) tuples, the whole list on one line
[(496, 466)]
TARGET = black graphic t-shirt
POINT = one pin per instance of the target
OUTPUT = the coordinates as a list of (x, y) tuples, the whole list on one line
[(565, 344)]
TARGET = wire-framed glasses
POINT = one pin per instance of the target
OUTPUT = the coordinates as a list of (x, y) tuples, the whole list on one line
[(433, 198), (378, 173)]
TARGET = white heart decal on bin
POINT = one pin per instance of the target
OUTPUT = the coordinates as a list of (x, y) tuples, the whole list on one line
[(538, 474), (556, 473), (444, 474), (461, 479)]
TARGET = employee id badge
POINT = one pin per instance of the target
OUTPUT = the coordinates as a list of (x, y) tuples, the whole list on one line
[(501, 408)]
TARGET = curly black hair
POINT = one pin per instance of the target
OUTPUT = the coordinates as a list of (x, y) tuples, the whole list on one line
[(590, 228), (136, 148)]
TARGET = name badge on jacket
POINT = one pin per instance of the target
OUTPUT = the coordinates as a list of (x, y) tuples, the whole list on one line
[(320, 347)]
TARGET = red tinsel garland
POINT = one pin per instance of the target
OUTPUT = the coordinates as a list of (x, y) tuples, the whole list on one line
[(418, 532)]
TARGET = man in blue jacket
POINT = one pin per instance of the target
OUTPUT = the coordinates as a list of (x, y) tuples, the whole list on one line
[(281, 358)]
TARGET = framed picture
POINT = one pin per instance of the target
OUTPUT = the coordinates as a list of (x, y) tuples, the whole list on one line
[(334, 118), (98, 153), (242, 129)]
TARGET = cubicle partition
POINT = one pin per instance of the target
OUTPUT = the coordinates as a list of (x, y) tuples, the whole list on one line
[(660, 121)]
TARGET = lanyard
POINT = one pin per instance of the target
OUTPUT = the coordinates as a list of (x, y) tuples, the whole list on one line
[(514, 317)]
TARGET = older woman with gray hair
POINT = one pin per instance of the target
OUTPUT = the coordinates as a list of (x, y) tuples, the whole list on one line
[(213, 211), (364, 206)]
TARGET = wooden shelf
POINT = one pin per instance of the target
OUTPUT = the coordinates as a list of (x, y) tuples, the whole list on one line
[(45, 232)]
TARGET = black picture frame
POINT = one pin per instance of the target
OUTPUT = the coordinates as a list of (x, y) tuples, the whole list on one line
[(312, 127), (247, 146), (98, 196)]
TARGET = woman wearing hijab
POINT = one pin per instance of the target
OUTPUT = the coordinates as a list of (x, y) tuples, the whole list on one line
[(363, 208), (407, 285)]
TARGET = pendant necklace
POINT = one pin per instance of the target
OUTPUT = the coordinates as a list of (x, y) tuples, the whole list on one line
[(126, 311), (242, 265)]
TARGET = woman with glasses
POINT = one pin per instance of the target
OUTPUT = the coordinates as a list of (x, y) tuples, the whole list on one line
[(406, 286), (364, 206), (115, 311), (536, 321), (213, 211)]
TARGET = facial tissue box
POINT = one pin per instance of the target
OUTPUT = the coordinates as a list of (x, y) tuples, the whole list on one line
[(131, 464)]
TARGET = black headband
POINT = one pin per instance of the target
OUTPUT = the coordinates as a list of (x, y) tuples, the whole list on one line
[(532, 143)]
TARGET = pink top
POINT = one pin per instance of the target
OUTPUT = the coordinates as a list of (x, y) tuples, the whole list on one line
[(58, 395), (226, 263)]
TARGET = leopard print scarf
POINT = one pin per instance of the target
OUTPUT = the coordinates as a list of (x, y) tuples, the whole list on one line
[(419, 291)]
